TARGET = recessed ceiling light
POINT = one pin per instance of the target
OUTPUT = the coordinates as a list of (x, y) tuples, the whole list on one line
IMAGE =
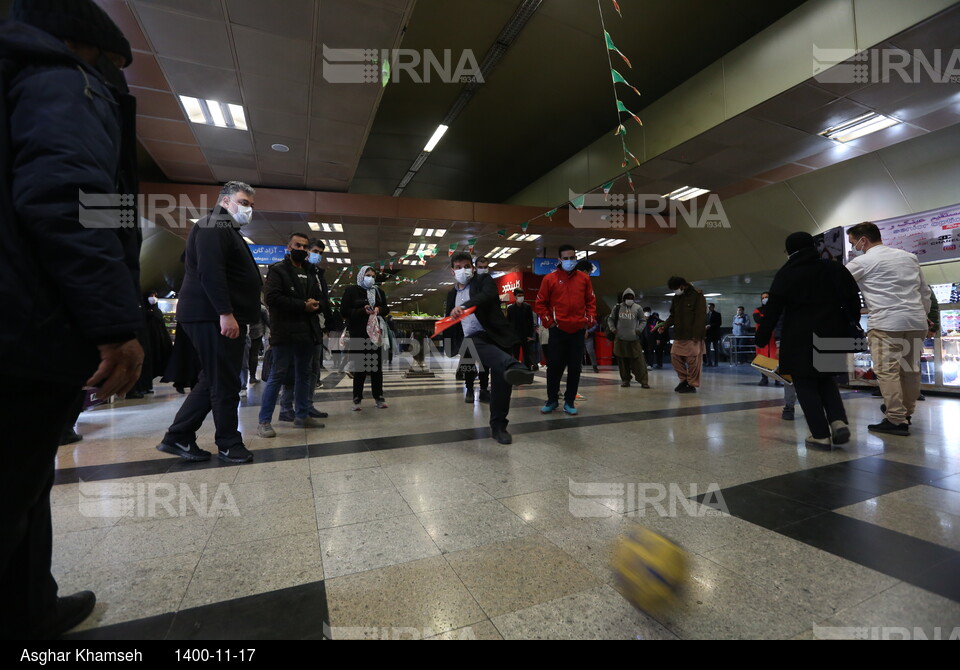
[(214, 113), (686, 193), (865, 124), (606, 242), (282, 148)]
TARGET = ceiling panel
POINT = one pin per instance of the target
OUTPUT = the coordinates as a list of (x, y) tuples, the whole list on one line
[(166, 130), (145, 72), (209, 9), (295, 20), (186, 37), (230, 159), (224, 139), (225, 174), (200, 81), (277, 94), (169, 151), (157, 103), (272, 55)]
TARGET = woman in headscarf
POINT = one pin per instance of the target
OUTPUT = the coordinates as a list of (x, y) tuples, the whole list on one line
[(359, 303)]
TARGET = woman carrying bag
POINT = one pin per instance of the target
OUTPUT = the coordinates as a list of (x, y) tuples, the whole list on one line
[(363, 308)]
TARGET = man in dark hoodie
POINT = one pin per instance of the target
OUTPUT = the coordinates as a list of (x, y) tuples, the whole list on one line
[(70, 277)]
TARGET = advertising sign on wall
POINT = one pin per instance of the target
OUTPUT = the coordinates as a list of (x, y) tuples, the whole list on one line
[(932, 236)]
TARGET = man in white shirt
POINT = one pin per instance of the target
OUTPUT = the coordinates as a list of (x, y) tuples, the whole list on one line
[(898, 299)]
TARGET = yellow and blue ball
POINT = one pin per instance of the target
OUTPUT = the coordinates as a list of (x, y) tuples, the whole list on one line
[(650, 570)]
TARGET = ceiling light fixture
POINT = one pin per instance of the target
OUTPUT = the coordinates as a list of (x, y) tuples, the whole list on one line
[(605, 242), (686, 193), (858, 127), (437, 135), (282, 148), (214, 113)]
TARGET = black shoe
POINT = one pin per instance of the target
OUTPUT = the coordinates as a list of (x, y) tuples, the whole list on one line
[(236, 455), (188, 452), (883, 408), (517, 376), (71, 611), (596, 369), (484, 395), (459, 376), (286, 415), (134, 395), (764, 382), (890, 428), (468, 397), (921, 396), (501, 435), (70, 437), (787, 414), (624, 384), (681, 386), (687, 389), (316, 414)]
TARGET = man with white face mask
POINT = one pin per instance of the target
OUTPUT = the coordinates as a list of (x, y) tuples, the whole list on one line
[(219, 297), (627, 322), (520, 315)]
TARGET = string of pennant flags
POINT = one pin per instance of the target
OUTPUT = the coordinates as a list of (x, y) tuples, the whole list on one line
[(387, 266)]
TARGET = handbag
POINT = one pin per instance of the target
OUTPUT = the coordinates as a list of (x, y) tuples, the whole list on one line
[(374, 331)]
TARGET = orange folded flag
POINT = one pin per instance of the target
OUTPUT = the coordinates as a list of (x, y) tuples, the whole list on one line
[(449, 321)]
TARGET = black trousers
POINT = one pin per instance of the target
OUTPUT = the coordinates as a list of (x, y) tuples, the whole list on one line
[(256, 344), (713, 352), (369, 360), (494, 361), (529, 350), (27, 588), (217, 389), (819, 397), (470, 374), (566, 353)]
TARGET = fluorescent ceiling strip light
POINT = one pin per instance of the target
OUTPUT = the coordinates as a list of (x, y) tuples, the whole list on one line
[(315, 227), (216, 114), (193, 109), (432, 144), (418, 232), (858, 127), (239, 118)]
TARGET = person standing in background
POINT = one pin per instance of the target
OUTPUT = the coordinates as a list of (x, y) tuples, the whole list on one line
[(741, 324), (714, 323), (520, 316), (567, 306), (256, 333), (360, 302), (688, 316), (770, 351), (69, 277), (627, 323)]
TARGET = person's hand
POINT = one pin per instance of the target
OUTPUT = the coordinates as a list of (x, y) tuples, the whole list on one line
[(457, 312), (119, 368), (376, 310), (661, 330), (368, 309), (529, 339), (311, 305), (229, 326)]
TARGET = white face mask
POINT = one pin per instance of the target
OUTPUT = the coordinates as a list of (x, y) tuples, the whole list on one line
[(647, 314), (463, 275), (243, 215), (368, 282), (629, 303), (152, 300), (764, 301), (483, 271), (519, 299)]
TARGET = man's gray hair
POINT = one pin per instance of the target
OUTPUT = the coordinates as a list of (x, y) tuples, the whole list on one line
[(234, 187)]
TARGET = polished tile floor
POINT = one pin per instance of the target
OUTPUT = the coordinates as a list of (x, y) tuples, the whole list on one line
[(410, 522)]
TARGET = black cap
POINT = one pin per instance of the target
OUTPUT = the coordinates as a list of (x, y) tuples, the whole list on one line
[(797, 241), (79, 20)]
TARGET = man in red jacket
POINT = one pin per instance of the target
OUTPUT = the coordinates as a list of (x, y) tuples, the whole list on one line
[(567, 306)]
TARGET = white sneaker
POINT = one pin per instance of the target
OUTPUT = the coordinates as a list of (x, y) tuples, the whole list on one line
[(243, 393)]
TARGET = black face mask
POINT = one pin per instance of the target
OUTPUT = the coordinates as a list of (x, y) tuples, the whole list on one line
[(298, 255), (111, 73)]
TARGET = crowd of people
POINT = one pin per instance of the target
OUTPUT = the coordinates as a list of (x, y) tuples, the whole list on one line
[(69, 115)]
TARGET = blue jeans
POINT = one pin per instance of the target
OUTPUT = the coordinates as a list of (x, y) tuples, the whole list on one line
[(299, 355)]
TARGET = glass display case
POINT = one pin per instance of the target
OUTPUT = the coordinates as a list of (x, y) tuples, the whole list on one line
[(169, 308), (950, 345)]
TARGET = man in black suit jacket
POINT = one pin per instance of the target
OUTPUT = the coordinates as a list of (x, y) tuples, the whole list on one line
[(488, 336), (219, 298), (520, 316), (714, 322)]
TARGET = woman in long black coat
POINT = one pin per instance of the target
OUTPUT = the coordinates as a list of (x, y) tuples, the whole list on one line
[(819, 301), (359, 302)]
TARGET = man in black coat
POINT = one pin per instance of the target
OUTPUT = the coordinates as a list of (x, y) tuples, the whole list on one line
[(219, 298), (68, 277), (714, 323), (293, 295), (819, 300), (488, 336), (520, 316)]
